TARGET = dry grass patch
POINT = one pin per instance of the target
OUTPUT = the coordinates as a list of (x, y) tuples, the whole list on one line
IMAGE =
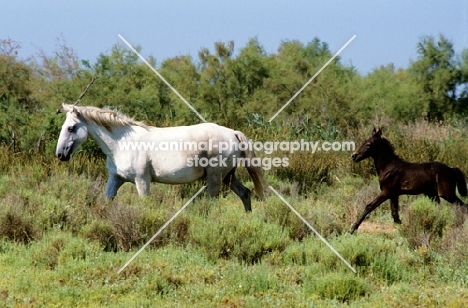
[(16, 223), (371, 227)]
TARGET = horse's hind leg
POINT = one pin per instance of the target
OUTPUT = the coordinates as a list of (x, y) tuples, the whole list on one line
[(239, 189), (143, 185), (394, 207), (447, 189), (213, 182)]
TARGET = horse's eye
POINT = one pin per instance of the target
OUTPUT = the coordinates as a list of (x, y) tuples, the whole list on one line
[(71, 129)]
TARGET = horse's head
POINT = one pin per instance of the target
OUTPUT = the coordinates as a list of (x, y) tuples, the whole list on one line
[(367, 149), (74, 132)]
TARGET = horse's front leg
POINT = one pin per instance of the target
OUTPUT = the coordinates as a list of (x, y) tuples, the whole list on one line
[(369, 208), (113, 184)]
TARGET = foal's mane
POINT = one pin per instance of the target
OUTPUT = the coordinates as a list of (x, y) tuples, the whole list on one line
[(389, 147), (104, 117)]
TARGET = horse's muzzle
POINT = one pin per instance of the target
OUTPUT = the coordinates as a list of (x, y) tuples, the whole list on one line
[(62, 156)]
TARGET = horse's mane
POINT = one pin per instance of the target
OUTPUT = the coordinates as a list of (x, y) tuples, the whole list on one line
[(389, 147), (104, 117)]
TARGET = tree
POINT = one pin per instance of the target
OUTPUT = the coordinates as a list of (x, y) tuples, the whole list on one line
[(387, 92), (462, 88), (15, 94), (184, 76), (228, 82), (130, 86), (437, 76)]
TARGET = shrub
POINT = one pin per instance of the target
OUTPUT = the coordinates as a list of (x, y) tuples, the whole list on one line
[(16, 223), (235, 234), (47, 254), (280, 214), (425, 222), (454, 247), (373, 255), (151, 220), (336, 286), (308, 170), (103, 232), (124, 220), (252, 280)]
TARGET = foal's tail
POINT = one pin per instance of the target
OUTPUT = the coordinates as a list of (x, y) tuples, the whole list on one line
[(461, 183), (255, 172)]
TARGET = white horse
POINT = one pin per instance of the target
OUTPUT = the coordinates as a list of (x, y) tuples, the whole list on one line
[(141, 154)]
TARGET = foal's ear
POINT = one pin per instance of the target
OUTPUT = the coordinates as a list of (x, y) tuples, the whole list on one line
[(377, 132)]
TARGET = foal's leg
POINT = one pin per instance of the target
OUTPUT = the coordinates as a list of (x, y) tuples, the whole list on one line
[(369, 208), (113, 184), (394, 207), (239, 189)]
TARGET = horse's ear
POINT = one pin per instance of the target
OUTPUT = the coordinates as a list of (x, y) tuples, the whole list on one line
[(377, 132), (59, 110), (75, 110), (66, 108)]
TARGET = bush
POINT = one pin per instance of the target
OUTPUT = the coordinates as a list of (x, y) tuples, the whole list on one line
[(279, 213), (253, 280), (336, 286), (124, 220), (235, 234), (151, 220), (426, 222), (310, 171), (371, 255), (103, 232), (47, 254), (454, 245), (16, 223)]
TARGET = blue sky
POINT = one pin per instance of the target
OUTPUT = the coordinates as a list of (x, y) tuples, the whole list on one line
[(386, 31)]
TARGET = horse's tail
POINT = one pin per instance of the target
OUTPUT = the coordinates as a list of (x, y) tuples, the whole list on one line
[(255, 172), (461, 183)]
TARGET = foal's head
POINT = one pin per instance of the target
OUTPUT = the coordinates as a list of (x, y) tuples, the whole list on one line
[(369, 147)]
